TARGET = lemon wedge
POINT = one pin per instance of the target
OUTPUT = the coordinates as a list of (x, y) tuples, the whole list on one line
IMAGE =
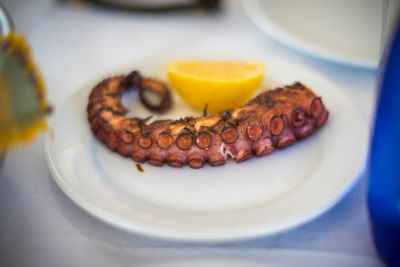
[(219, 85)]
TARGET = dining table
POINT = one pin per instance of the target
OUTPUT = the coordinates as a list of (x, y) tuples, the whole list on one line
[(74, 41)]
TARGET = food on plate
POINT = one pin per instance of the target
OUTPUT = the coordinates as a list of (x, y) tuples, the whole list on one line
[(219, 85), (273, 120)]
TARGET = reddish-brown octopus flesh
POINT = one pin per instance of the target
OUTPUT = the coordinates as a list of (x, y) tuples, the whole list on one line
[(274, 119)]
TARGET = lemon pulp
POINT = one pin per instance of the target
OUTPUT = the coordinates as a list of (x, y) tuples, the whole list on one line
[(219, 85)]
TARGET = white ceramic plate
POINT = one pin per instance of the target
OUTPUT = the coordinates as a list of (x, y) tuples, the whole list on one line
[(258, 197), (344, 31)]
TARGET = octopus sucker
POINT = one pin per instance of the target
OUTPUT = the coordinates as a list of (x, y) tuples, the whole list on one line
[(254, 131), (204, 140), (127, 137), (229, 135), (298, 118), (145, 141), (277, 125), (184, 141), (275, 119), (316, 107)]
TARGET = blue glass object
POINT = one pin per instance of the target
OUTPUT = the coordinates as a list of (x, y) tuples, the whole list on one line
[(384, 161)]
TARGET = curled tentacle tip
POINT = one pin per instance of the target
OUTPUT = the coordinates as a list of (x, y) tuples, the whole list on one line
[(134, 79), (155, 95)]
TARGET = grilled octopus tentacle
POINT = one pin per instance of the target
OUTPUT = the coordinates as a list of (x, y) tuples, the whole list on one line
[(273, 120)]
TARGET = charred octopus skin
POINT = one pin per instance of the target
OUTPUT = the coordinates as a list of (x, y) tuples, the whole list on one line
[(275, 119)]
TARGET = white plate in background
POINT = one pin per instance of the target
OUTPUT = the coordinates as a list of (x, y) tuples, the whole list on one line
[(258, 197), (343, 31)]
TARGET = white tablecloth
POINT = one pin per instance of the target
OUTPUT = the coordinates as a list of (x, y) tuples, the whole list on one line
[(40, 226)]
